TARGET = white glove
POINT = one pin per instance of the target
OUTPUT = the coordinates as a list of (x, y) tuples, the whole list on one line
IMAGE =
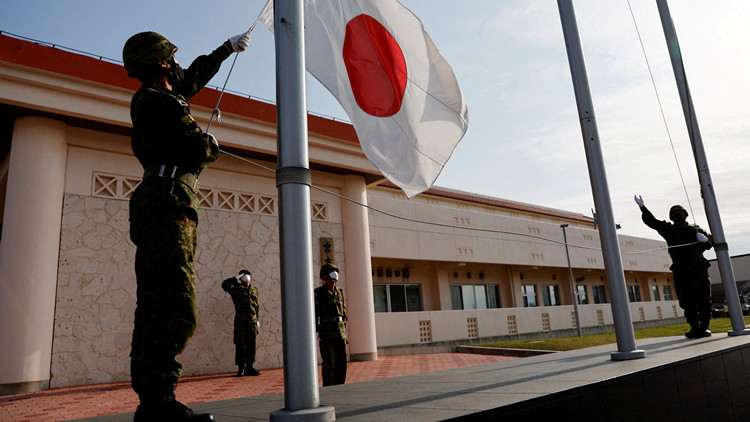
[(638, 200), (701, 237), (240, 42), (257, 324)]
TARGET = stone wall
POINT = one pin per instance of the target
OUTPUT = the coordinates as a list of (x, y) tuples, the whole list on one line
[(96, 289)]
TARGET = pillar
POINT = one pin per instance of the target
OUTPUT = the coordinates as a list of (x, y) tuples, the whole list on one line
[(359, 299), (29, 252)]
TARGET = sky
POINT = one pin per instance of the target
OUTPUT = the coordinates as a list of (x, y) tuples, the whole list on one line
[(524, 140)]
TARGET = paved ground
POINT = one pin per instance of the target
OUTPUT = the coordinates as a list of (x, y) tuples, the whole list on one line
[(105, 399), (678, 380)]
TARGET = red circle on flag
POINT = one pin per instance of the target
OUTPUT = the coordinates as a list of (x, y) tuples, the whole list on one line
[(375, 65)]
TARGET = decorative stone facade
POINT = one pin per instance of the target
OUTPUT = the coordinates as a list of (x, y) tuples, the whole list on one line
[(96, 286)]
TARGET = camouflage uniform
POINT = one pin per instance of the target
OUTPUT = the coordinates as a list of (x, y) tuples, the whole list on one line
[(163, 220), (245, 298), (330, 314), (689, 267)]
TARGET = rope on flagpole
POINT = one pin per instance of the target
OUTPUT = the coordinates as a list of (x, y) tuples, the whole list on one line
[(216, 112), (661, 109)]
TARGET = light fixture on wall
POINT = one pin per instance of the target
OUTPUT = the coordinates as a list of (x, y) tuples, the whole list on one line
[(468, 274), (481, 275), (397, 273), (388, 272), (455, 275), (380, 272), (554, 277), (520, 275), (405, 272)]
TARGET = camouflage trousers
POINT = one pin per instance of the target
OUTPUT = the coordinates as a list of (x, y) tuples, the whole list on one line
[(165, 314), (245, 335), (333, 352), (693, 288)]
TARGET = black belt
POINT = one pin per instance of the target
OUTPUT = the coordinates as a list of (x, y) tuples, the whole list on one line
[(171, 172), (331, 319)]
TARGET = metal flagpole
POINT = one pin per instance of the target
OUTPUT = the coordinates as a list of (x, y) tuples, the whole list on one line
[(704, 175), (301, 395), (572, 284), (607, 231)]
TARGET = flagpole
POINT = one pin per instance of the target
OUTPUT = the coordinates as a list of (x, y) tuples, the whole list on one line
[(301, 395), (607, 230), (704, 175)]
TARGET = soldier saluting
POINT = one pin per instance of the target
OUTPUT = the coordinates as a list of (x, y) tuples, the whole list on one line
[(246, 304), (173, 151)]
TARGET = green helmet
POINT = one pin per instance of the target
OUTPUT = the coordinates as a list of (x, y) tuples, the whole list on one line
[(678, 208), (145, 49), (326, 269)]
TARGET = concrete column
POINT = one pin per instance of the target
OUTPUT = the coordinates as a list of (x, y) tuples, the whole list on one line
[(29, 252), (360, 306)]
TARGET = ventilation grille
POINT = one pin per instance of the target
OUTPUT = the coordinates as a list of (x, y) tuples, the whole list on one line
[(472, 327), (425, 331)]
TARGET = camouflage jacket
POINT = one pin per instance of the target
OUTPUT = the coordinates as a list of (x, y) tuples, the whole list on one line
[(164, 132), (691, 251), (330, 313), (245, 298)]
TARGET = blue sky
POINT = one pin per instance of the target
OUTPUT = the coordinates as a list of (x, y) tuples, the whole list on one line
[(524, 140)]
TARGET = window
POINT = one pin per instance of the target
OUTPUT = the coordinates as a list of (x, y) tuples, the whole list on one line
[(583, 299), (667, 290), (529, 295), (380, 294), (634, 294), (551, 295), (599, 294), (469, 296), (397, 297), (655, 293)]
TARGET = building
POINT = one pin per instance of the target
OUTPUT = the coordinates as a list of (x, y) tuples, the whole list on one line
[(419, 275), (741, 270)]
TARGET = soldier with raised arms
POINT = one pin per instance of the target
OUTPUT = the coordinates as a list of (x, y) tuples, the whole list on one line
[(173, 151), (686, 242)]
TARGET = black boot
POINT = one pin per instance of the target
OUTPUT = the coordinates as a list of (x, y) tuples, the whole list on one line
[(703, 330), (241, 371), (251, 371), (158, 408), (692, 318)]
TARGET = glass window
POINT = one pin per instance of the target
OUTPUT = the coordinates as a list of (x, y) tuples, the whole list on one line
[(634, 293), (583, 299), (471, 296), (529, 295), (457, 301), (655, 292), (667, 290), (381, 297), (492, 296), (413, 298), (599, 294), (550, 295), (397, 297)]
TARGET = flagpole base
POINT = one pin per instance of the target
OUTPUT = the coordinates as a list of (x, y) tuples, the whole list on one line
[(318, 414), (633, 354), (738, 332)]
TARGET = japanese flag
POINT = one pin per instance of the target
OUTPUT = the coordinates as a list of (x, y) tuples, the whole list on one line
[(403, 99)]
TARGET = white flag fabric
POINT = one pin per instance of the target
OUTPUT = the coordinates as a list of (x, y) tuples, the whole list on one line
[(401, 95)]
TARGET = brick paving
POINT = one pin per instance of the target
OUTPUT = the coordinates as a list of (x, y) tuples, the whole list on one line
[(60, 404)]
